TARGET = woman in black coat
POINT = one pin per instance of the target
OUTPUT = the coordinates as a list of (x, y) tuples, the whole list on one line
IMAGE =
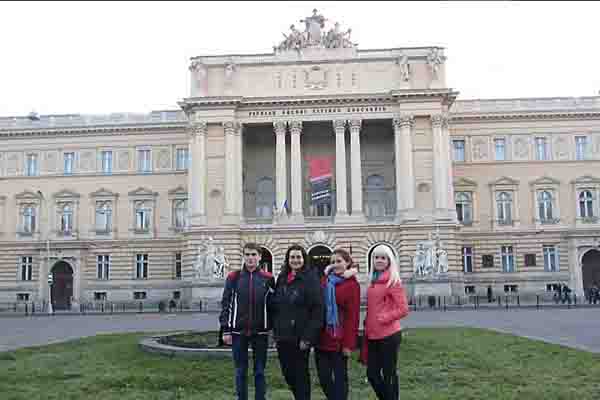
[(297, 311)]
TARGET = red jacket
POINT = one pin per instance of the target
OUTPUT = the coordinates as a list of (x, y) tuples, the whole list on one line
[(385, 307), (347, 297)]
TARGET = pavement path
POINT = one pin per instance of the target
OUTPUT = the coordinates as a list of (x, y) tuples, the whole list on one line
[(578, 328)]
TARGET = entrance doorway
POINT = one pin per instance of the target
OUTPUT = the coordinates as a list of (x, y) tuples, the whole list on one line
[(62, 286), (320, 257), (266, 259), (590, 264)]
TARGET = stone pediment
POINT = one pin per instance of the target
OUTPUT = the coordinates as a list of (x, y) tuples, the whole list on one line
[(66, 194), (28, 195), (141, 191), (544, 180), (504, 181), (103, 192), (464, 182), (586, 179), (178, 191)]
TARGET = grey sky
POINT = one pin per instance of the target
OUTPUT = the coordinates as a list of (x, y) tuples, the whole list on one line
[(132, 57)]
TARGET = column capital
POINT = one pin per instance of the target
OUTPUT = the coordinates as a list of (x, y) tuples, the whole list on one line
[(279, 127), (196, 129), (229, 127), (339, 125), (237, 128), (295, 127), (439, 120), (355, 125), (404, 120)]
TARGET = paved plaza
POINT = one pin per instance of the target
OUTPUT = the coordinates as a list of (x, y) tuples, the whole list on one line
[(576, 328)]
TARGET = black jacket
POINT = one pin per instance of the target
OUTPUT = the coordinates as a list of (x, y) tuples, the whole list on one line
[(244, 302), (297, 308)]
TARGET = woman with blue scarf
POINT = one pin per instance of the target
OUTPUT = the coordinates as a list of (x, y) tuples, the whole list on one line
[(341, 294)]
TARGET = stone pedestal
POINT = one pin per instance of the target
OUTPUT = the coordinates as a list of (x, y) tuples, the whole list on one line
[(439, 285)]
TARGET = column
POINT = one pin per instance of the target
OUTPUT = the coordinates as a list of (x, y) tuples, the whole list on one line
[(450, 169), (239, 181), (340, 168), (296, 173), (405, 173), (280, 165), (441, 163), (356, 171), (230, 211), (197, 173)]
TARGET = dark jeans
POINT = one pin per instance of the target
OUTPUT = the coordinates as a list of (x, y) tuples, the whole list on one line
[(294, 366), (240, 358), (381, 366), (333, 374)]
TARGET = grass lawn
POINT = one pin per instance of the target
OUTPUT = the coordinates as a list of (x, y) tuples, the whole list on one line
[(434, 364)]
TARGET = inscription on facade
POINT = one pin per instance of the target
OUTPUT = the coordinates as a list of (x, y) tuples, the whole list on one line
[(316, 111)]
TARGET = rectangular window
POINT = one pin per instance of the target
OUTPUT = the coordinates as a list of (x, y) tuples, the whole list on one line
[(69, 161), (29, 220), (31, 167), (511, 288), (500, 146), (106, 162), (550, 259), (178, 263), (530, 260), (103, 217), (176, 295), (144, 162), (182, 159), (459, 150), (22, 296), (580, 147), (541, 149), (487, 261), (467, 259), (100, 296), (103, 266), (141, 266), (470, 289), (508, 260), (142, 219), (139, 295), (26, 268)]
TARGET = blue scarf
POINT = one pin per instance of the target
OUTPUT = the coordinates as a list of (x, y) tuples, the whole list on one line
[(332, 319), (376, 275)]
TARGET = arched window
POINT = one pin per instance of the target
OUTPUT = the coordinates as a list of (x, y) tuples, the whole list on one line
[(464, 207), (179, 213), (66, 218), (375, 196), (265, 197), (545, 206), (586, 204), (103, 216), (504, 207), (28, 215), (143, 213)]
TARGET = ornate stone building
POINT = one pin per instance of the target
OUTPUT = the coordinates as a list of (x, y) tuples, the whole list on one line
[(318, 143)]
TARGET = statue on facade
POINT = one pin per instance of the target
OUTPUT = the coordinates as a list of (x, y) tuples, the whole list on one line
[(314, 24), (335, 38), (419, 260), (205, 260), (404, 68), (442, 261), (430, 258), (434, 60), (199, 75), (220, 264)]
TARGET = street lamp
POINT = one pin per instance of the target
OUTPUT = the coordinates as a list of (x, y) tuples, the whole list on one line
[(50, 277)]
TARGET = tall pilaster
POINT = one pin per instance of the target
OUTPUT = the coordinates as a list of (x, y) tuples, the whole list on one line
[(197, 173), (405, 173), (356, 171), (441, 166), (296, 173), (230, 213), (340, 169), (280, 165), (239, 159)]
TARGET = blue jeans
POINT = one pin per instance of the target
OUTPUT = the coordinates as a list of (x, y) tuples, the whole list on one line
[(240, 359)]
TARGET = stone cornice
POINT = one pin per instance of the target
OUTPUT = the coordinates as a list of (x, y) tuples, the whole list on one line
[(91, 131), (532, 115)]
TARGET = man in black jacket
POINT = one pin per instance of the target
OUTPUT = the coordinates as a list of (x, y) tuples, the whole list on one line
[(244, 320)]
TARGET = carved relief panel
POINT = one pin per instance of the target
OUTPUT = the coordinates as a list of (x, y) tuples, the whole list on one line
[(50, 162), (561, 147), (162, 160), (596, 146), (124, 160), (87, 161), (480, 148), (521, 145), (13, 163), (1, 164)]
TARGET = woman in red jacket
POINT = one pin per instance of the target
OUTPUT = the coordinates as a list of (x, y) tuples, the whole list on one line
[(386, 305), (337, 340)]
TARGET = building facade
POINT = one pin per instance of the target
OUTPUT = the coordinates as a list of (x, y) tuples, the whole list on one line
[(317, 143)]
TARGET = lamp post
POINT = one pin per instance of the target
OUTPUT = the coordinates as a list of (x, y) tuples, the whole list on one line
[(50, 277)]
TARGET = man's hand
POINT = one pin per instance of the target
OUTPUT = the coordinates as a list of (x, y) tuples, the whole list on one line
[(347, 352), (304, 345), (227, 339)]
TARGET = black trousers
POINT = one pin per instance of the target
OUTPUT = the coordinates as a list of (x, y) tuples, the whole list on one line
[(294, 366), (381, 366), (332, 367)]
